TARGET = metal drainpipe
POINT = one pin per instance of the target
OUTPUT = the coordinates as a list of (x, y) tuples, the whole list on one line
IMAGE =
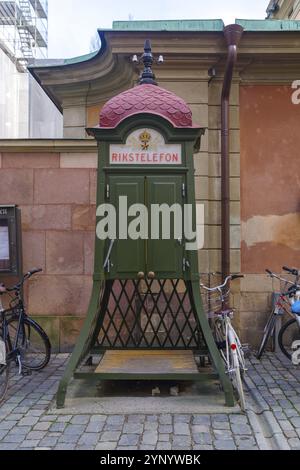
[(233, 34)]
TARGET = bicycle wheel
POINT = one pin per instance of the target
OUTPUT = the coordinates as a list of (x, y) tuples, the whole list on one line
[(267, 333), (289, 333), (236, 364), (33, 343), (4, 378), (237, 383)]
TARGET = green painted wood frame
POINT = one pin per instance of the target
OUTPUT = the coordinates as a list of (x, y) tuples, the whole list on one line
[(190, 139)]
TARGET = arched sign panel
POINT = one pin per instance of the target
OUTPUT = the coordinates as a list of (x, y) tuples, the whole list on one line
[(145, 147)]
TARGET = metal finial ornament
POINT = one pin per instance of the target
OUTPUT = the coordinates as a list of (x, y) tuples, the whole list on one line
[(147, 76)]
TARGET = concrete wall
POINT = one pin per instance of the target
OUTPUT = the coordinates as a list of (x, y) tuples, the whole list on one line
[(25, 109), (13, 100)]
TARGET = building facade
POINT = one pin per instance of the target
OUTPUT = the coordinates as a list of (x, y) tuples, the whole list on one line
[(284, 9), (25, 110), (54, 181)]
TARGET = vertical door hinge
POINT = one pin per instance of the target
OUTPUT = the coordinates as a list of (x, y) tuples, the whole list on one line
[(107, 191), (183, 190)]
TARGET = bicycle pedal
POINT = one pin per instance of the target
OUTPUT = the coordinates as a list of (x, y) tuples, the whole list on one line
[(26, 373)]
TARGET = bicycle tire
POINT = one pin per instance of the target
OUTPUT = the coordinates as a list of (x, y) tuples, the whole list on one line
[(24, 344), (281, 334), (239, 385), (266, 336), (4, 380)]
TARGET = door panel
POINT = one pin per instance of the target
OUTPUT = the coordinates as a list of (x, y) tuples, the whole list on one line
[(128, 256), (165, 256)]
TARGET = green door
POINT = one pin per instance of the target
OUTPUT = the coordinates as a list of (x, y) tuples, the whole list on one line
[(127, 256), (163, 254), (165, 249)]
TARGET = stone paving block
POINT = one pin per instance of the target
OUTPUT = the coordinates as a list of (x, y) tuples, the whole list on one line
[(28, 421), (7, 425), (202, 438), (129, 440), (67, 438), (64, 419), (152, 426), (21, 430), (227, 444), (57, 427), (164, 437), (95, 426), (238, 419), (203, 447), (108, 436), (182, 419), (182, 441), (152, 418), (181, 429), (119, 419), (163, 446), (165, 429), (294, 443), (133, 428), (35, 435), (243, 429), (75, 429), (165, 419), (296, 422), (42, 426), (138, 418), (29, 444), (106, 446), (80, 419), (8, 446), (201, 419), (89, 439), (220, 418), (48, 442), (67, 446), (13, 438), (150, 438)]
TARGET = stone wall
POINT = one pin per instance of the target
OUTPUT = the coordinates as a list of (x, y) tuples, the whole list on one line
[(270, 198), (57, 195)]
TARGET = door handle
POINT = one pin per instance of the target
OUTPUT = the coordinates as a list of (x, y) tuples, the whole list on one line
[(151, 275)]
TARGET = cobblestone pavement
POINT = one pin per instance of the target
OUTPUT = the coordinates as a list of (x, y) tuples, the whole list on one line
[(272, 420)]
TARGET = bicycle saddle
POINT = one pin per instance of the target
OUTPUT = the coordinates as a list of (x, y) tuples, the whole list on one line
[(228, 311)]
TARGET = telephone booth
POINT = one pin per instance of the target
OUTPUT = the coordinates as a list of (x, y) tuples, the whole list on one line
[(145, 319)]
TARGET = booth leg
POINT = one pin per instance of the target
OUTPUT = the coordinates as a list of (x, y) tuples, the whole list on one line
[(212, 347), (82, 345)]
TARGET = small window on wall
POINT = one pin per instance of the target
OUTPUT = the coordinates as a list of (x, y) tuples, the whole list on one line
[(4, 246)]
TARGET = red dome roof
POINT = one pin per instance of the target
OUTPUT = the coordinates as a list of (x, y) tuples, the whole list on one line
[(146, 99)]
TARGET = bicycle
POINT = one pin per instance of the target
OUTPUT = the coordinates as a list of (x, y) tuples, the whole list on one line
[(22, 340), (227, 340), (281, 306)]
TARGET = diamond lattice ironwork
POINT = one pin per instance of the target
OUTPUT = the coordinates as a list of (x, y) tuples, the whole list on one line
[(153, 314)]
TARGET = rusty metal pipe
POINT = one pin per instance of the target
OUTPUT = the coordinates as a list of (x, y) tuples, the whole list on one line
[(233, 34)]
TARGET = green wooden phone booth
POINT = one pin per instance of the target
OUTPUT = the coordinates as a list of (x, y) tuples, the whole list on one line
[(145, 319)]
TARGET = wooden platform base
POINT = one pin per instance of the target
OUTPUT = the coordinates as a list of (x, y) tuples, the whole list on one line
[(147, 362)]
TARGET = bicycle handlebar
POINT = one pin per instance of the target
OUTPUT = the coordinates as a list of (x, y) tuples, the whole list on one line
[(228, 278), (18, 286), (292, 271)]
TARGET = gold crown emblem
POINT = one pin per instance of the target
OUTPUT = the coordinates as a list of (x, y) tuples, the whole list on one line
[(145, 138)]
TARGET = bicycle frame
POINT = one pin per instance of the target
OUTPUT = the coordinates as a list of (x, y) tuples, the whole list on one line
[(13, 350)]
